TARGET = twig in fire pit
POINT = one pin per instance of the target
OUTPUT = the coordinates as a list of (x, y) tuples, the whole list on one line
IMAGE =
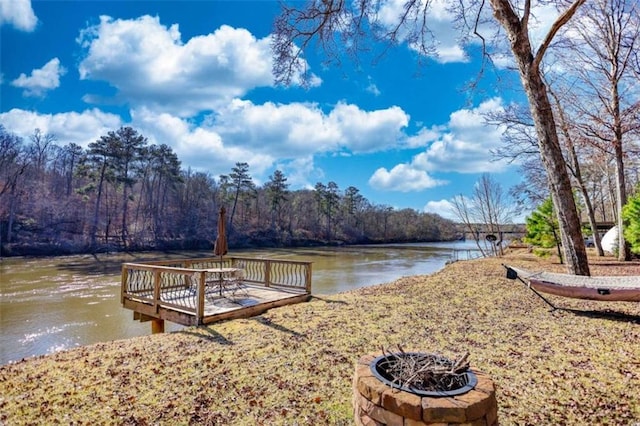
[(425, 372)]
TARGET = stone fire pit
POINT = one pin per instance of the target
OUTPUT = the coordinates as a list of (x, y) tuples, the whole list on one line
[(380, 400)]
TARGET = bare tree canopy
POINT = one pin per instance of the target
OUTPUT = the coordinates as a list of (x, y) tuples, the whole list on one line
[(341, 26), (490, 207), (601, 97), (596, 106)]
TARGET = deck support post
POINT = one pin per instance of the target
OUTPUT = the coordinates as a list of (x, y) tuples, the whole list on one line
[(157, 326), (267, 273)]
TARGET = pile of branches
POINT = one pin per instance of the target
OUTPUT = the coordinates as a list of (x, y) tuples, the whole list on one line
[(424, 371)]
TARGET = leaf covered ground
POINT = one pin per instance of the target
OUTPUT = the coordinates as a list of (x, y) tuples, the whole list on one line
[(294, 365)]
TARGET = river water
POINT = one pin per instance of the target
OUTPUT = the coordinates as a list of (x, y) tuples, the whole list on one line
[(55, 303)]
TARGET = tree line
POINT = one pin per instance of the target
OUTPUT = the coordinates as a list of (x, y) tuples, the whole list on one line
[(122, 193)]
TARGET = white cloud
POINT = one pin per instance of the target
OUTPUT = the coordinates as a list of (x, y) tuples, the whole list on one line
[(18, 13), (503, 60), (264, 135), (443, 208), (543, 17), (199, 147), (368, 131), (291, 134), (80, 128), (372, 87), (424, 136), (298, 129), (301, 172), (465, 146), (287, 131), (150, 66), (41, 80), (403, 178)]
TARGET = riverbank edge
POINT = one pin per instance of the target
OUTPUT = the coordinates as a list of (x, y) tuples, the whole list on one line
[(293, 365), (9, 250)]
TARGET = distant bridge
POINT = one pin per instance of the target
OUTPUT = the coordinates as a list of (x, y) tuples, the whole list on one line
[(481, 231), (519, 230)]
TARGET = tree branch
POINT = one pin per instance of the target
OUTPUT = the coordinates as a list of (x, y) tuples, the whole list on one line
[(562, 19)]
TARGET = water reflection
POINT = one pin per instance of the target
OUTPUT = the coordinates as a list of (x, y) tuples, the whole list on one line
[(50, 304)]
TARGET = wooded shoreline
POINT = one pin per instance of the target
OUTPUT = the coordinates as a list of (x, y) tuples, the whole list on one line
[(62, 249), (123, 194)]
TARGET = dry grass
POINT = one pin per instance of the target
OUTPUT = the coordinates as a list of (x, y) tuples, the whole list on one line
[(294, 365)]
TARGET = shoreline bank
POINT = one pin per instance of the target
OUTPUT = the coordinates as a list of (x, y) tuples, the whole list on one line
[(295, 364)]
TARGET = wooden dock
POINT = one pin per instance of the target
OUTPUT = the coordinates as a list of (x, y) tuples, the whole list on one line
[(206, 290)]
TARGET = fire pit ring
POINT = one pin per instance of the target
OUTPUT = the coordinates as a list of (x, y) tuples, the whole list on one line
[(463, 382), (376, 402)]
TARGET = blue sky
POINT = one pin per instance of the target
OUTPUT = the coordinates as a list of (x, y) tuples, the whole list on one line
[(196, 75)]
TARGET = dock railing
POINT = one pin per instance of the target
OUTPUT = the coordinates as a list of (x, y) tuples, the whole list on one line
[(175, 289)]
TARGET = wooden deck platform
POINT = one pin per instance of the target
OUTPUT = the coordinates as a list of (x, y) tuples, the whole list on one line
[(202, 291)]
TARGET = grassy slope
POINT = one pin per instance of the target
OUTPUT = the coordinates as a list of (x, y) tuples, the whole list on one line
[(294, 365)]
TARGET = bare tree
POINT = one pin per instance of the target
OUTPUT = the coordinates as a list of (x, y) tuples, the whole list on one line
[(13, 163), (462, 209), (39, 150), (520, 145), (494, 209), (331, 21), (606, 104), (489, 209), (574, 165)]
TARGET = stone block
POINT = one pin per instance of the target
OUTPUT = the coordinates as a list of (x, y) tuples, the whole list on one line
[(376, 403), (485, 384), (380, 414), (371, 388), (446, 410), (364, 420), (367, 359), (363, 370), (403, 403), (492, 412), (476, 404)]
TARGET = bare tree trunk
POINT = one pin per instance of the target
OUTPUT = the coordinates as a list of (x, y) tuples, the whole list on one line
[(621, 194), (574, 165), (96, 212), (611, 189), (621, 199), (591, 214), (541, 112), (12, 212), (124, 233)]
